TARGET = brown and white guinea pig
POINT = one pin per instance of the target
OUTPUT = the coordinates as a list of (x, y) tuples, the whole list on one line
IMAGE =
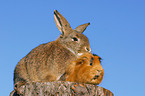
[(86, 69)]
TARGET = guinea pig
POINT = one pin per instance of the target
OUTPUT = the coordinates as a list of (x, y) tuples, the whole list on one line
[(86, 69)]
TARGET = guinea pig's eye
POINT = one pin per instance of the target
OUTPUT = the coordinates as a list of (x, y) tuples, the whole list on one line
[(91, 64), (91, 61), (74, 39)]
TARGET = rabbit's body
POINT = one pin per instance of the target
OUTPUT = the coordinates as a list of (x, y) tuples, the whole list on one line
[(86, 69), (47, 62), (43, 63)]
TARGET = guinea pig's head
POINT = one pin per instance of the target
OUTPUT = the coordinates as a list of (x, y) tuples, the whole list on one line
[(89, 69)]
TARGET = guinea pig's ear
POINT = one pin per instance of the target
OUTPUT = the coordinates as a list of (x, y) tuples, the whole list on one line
[(80, 62)]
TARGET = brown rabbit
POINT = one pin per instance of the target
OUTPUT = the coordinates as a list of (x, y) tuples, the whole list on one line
[(86, 69), (48, 62)]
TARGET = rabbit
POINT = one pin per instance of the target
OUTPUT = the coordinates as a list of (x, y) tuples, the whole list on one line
[(86, 69), (48, 61)]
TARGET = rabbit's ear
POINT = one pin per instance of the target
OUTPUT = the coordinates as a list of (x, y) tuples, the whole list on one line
[(81, 28), (61, 23)]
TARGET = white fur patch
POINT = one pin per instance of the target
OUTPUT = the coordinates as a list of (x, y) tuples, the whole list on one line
[(59, 77), (79, 54), (71, 51)]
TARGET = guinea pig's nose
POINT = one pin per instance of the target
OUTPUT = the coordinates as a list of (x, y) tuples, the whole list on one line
[(96, 76), (88, 49)]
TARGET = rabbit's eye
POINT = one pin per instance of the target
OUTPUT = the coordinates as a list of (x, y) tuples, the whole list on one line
[(74, 39)]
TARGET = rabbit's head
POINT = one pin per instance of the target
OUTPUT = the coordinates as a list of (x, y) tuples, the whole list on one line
[(86, 69), (71, 39)]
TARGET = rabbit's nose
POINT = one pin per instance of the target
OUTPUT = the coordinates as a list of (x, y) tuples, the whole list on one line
[(88, 49)]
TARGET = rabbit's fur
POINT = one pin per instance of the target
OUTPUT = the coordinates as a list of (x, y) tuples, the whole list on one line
[(86, 69), (48, 62)]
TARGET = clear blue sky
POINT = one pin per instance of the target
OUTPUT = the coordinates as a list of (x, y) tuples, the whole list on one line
[(116, 33)]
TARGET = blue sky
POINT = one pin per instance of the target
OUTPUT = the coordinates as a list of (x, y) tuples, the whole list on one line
[(116, 33)]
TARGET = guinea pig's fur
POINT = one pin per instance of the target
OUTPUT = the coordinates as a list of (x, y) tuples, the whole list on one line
[(86, 69)]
